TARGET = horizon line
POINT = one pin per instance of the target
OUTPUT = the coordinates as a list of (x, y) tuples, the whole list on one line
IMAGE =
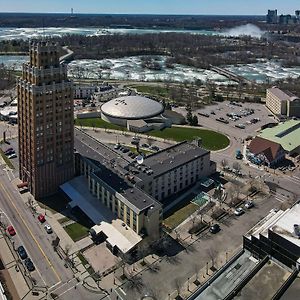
[(128, 14)]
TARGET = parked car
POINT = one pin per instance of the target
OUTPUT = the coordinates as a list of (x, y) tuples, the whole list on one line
[(48, 228), (117, 146), (145, 145), (29, 264), (239, 211), (154, 148), (214, 228), (10, 229), (22, 252), (41, 218), (11, 156), (8, 150), (249, 204)]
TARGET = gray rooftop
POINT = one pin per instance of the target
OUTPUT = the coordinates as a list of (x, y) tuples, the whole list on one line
[(170, 158), (132, 108), (282, 95), (112, 170)]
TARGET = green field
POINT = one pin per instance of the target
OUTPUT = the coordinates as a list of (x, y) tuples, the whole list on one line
[(76, 231), (211, 140), (98, 123)]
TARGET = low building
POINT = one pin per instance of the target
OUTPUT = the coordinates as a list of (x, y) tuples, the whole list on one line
[(287, 134), (100, 93), (136, 113), (268, 152), (278, 236), (282, 103)]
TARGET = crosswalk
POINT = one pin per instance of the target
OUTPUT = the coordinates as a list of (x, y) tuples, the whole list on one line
[(294, 179), (279, 197)]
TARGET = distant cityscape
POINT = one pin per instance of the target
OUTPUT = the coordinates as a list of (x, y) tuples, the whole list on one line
[(274, 18)]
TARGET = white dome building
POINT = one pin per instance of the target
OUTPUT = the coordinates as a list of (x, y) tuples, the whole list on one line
[(137, 113)]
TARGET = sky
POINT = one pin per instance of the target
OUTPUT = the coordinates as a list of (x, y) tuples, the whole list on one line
[(218, 7)]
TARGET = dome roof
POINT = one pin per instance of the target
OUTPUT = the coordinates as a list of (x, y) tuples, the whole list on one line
[(132, 107)]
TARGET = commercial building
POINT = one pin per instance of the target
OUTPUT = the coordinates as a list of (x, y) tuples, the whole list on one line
[(282, 103), (137, 113), (133, 191), (266, 152), (46, 130), (278, 236), (286, 134)]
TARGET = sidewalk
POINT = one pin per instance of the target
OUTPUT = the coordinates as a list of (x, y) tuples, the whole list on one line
[(10, 264)]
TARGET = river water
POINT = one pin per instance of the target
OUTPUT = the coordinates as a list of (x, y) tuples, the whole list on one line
[(131, 67)]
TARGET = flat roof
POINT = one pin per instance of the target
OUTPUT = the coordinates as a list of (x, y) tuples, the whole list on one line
[(286, 133), (280, 222), (118, 235), (170, 158), (112, 169)]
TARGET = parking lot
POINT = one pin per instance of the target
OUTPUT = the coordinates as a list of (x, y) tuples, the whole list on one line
[(208, 116)]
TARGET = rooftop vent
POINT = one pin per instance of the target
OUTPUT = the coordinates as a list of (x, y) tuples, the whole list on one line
[(297, 230)]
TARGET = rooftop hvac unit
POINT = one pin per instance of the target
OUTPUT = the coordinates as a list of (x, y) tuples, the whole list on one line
[(297, 230)]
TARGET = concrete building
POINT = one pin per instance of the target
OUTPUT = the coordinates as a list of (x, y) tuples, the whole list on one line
[(277, 235), (137, 113), (171, 170), (133, 191), (282, 103), (46, 130), (286, 134)]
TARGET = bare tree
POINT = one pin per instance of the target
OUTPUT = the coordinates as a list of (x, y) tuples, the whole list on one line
[(224, 163), (212, 253), (237, 166)]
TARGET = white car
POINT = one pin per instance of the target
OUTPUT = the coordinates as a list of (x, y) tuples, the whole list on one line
[(249, 204), (48, 228), (14, 155), (239, 211)]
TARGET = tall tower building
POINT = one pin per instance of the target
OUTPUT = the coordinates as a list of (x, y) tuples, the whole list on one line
[(46, 121)]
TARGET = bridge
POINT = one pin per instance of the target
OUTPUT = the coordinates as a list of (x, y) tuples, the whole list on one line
[(232, 76)]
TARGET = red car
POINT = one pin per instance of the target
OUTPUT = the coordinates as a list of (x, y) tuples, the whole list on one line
[(41, 218), (10, 229)]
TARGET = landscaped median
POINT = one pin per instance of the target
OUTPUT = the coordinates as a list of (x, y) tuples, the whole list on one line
[(211, 140)]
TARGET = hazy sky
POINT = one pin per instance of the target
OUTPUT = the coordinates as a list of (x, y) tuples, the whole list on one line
[(228, 7)]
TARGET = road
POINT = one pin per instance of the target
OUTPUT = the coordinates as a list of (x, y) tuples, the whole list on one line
[(50, 271)]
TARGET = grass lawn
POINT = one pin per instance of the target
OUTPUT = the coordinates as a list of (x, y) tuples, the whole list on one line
[(211, 140), (98, 122), (146, 152), (6, 159), (180, 215), (76, 231)]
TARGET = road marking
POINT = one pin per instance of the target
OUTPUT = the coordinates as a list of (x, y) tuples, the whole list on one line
[(30, 232)]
